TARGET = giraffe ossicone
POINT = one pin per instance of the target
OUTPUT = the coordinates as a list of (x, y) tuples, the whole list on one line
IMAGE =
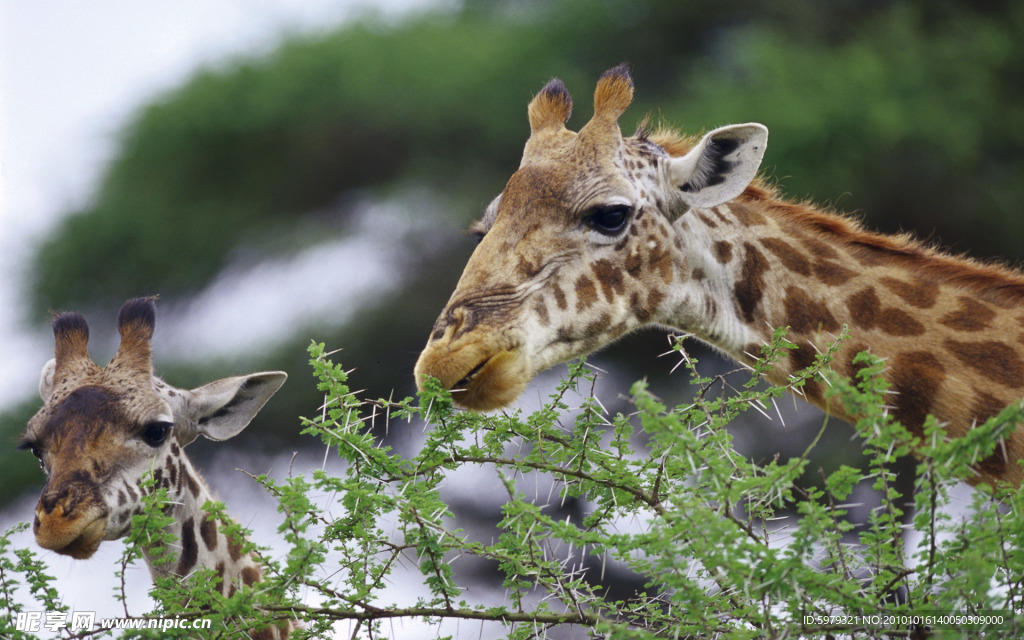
[(101, 429), (597, 234)]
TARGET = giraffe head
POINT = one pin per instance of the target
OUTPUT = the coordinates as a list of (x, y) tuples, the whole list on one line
[(102, 428), (579, 248)]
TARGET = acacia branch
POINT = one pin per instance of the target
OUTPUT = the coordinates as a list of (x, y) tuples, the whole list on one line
[(370, 612), (644, 496)]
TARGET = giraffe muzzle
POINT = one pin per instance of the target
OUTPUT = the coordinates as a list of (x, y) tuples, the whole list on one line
[(492, 384), (468, 379), (479, 379), (78, 537)]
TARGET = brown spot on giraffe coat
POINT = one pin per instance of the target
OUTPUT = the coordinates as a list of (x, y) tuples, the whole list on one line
[(995, 464), (527, 269), (750, 287), (831, 273), (850, 369), (723, 251), (654, 299), (971, 315), (208, 532), (706, 220), (639, 310), (867, 312), (633, 264), (807, 315), (609, 276), (250, 576), (540, 309), (801, 358), (190, 482), (996, 361), (234, 549), (920, 294), (586, 293), (596, 328), (189, 548), (986, 406), (747, 215), (660, 261), (916, 378), (559, 296), (817, 247), (172, 472), (788, 255)]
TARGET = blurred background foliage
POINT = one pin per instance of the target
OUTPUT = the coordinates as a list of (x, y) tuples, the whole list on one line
[(909, 114)]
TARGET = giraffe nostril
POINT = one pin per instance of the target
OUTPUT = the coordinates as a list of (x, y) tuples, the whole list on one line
[(453, 318), (49, 502), (65, 501), (439, 328)]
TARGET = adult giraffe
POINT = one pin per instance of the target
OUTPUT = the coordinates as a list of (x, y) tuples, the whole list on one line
[(101, 429), (596, 234)]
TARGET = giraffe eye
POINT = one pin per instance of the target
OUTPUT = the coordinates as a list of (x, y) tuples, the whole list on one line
[(609, 220), (478, 230), (29, 446), (155, 433)]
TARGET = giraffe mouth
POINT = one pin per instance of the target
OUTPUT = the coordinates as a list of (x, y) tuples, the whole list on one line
[(78, 542), (479, 378), (492, 383), (87, 542), (467, 379)]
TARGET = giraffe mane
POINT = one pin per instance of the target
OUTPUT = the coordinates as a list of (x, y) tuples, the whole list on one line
[(992, 280), (673, 141)]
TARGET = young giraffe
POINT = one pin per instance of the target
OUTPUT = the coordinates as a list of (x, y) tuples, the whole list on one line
[(101, 429), (596, 235)]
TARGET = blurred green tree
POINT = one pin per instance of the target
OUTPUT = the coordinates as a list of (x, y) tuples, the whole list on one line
[(912, 109), (908, 113)]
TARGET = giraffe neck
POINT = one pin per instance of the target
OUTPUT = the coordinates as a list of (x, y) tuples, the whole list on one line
[(951, 331), (201, 543)]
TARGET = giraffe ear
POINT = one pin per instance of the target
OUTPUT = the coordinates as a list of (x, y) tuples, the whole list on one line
[(46, 379), (721, 166), (221, 409)]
